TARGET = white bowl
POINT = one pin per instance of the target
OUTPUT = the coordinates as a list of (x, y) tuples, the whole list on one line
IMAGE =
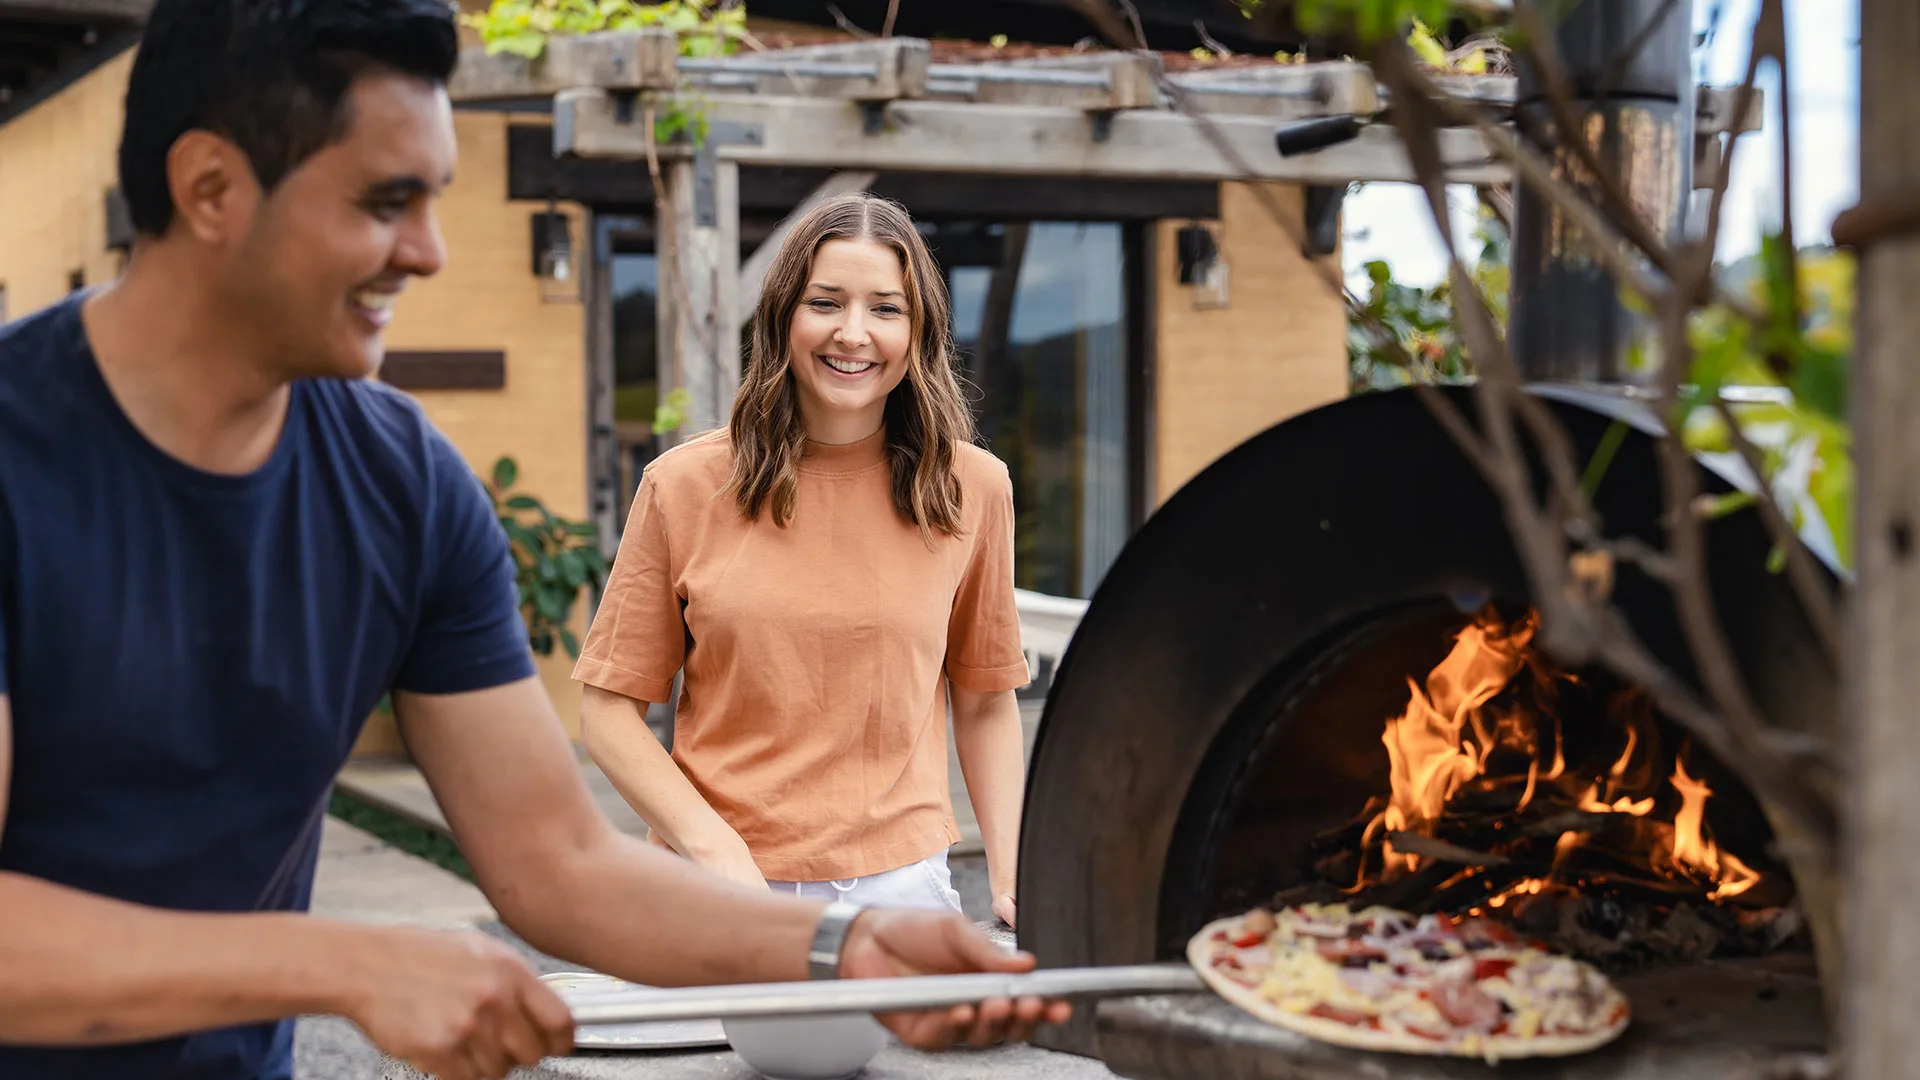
[(807, 1047)]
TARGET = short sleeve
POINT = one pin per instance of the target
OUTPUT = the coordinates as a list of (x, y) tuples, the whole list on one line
[(983, 635), (470, 635), (638, 639)]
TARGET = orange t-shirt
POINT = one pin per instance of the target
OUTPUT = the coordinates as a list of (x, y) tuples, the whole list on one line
[(813, 714)]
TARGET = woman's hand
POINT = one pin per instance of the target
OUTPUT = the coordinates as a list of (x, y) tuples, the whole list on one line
[(1003, 906), (727, 856), (888, 943)]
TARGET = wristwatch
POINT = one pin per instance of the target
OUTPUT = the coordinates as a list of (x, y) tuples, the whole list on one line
[(823, 956)]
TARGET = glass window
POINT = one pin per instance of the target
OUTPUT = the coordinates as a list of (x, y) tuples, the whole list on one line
[(636, 365), (1040, 317)]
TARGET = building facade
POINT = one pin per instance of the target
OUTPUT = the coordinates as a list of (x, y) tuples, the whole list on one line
[(1102, 379)]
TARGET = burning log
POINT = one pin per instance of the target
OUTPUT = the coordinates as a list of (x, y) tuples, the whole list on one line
[(1517, 790)]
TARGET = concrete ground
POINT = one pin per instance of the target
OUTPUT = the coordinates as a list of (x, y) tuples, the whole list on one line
[(362, 878)]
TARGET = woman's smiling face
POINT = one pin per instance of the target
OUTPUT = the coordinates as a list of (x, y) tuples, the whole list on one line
[(849, 340)]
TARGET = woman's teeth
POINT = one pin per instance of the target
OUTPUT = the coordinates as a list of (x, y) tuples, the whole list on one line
[(374, 301), (848, 367)]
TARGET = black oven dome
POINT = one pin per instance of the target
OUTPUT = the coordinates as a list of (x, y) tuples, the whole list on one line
[(1277, 552)]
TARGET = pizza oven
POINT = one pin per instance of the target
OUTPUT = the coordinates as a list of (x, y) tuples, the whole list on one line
[(1309, 678)]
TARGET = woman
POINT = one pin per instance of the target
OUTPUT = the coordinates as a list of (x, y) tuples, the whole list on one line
[(830, 572)]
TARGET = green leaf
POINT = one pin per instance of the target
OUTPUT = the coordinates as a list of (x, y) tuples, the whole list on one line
[(1820, 381), (573, 570), (542, 643), (505, 472), (569, 642), (549, 570), (525, 502), (587, 529), (548, 604)]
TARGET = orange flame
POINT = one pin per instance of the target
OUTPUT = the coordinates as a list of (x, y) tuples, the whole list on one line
[(1448, 733), (1693, 850), (1428, 746)]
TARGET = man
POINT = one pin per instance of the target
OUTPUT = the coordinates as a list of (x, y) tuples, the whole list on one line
[(220, 543)]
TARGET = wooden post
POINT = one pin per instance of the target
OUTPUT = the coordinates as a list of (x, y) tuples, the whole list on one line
[(1881, 852), (698, 300)]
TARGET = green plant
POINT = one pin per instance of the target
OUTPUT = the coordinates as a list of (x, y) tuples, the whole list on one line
[(522, 27), (1422, 321), (556, 560), (671, 413)]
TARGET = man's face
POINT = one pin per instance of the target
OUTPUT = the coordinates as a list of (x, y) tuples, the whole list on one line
[(330, 250)]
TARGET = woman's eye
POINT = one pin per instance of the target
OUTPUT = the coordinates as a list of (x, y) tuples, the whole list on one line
[(389, 211), (887, 309), (820, 305)]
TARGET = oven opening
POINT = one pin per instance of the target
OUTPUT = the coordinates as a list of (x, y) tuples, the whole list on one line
[(1436, 761)]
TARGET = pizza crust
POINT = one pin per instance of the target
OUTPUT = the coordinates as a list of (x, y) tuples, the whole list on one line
[(1492, 1047)]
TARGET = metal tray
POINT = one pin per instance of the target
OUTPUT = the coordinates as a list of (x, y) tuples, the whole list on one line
[(581, 986)]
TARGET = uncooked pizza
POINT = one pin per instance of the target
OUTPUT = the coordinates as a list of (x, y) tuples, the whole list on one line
[(1381, 979)]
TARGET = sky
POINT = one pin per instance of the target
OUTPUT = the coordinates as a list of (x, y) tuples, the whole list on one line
[(1391, 221)]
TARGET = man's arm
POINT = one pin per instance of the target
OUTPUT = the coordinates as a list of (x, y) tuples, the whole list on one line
[(563, 877), (575, 887), (80, 969)]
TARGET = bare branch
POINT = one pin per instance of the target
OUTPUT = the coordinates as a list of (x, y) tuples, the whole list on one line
[(1608, 246), (1498, 198), (893, 12), (1801, 573), (1200, 28), (1104, 20), (845, 24), (1572, 131)]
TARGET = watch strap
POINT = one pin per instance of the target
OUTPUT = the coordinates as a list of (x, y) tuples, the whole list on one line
[(829, 938)]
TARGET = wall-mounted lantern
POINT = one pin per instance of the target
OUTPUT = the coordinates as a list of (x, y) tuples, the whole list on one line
[(554, 260), (1202, 265)]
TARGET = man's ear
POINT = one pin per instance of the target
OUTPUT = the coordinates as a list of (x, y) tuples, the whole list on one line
[(214, 190)]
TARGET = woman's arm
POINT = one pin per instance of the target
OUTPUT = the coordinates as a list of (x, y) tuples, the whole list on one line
[(614, 729), (987, 733)]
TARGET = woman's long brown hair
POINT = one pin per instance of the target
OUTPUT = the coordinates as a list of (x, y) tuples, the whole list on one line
[(926, 416)]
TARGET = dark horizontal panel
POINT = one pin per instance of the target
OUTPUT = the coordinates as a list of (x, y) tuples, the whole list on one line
[(534, 173), (418, 369)]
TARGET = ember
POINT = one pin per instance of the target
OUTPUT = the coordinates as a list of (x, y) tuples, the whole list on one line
[(1588, 835)]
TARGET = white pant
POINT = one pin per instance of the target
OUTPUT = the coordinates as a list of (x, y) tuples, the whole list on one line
[(925, 884)]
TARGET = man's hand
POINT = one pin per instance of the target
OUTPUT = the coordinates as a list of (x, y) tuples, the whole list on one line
[(456, 1006), (887, 943)]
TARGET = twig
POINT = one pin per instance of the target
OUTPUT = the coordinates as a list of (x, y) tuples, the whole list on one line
[(1102, 17), (893, 12), (1200, 28), (1800, 569), (1572, 129), (845, 24), (1534, 169)]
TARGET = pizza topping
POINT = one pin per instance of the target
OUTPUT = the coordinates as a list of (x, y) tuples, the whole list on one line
[(1466, 1006), (1469, 987)]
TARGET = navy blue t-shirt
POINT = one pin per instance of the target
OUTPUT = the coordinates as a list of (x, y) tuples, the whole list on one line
[(190, 656)]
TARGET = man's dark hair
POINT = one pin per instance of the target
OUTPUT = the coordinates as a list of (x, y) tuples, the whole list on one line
[(271, 75)]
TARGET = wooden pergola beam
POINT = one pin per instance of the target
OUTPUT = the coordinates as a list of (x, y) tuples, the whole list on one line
[(1022, 140), (76, 10)]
